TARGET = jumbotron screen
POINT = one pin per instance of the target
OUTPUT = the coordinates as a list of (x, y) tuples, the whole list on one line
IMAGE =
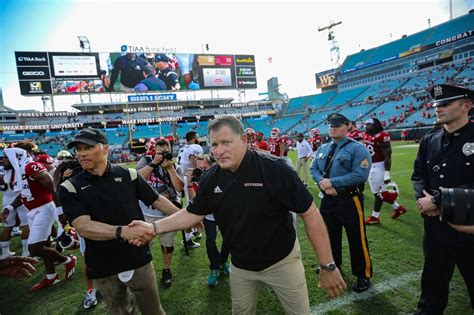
[(62, 73)]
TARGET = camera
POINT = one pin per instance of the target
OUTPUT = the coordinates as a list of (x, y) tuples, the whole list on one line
[(197, 173), (168, 156), (457, 206), (70, 163)]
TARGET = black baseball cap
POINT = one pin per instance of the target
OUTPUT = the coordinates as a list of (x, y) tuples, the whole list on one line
[(161, 57), (336, 119), (88, 136), (443, 94)]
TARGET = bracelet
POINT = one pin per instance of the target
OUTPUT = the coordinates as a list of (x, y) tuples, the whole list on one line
[(155, 230), (10, 208), (118, 232), (152, 165)]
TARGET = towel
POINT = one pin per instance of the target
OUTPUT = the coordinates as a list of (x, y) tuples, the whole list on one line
[(18, 159)]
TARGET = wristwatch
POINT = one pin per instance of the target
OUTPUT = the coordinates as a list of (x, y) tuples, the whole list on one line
[(118, 232), (329, 267)]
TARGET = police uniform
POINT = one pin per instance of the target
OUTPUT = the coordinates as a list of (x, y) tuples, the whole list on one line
[(348, 171), (444, 160)]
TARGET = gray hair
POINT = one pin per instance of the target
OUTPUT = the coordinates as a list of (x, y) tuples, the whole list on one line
[(233, 123)]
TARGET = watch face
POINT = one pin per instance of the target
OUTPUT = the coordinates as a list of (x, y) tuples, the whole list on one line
[(329, 267)]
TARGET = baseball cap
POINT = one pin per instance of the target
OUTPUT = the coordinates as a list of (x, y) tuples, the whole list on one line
[(336, 119), (44, 159), (443, 94), (88, 136), (161, 57)]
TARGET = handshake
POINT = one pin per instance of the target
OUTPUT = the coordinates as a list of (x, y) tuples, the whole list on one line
[(138, 232)]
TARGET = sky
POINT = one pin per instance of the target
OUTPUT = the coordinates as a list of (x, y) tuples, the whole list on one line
[(285, 31)]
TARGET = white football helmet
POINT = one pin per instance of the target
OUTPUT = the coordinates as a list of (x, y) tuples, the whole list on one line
[(63, 155), (275, 133), (69, 239), (314, 132)]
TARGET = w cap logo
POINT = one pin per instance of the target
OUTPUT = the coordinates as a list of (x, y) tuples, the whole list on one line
[(438, 91), (118, 179)]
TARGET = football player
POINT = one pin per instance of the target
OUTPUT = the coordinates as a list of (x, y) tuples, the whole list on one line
[(259, 142), (316, 140), (285, 139), (37, 194), (276, 146), (353, 132), (377, 142)]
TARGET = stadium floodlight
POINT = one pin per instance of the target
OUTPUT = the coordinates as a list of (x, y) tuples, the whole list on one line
[(334, 49), (84, 43)]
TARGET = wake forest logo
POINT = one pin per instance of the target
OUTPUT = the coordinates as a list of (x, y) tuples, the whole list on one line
[(36, 87)]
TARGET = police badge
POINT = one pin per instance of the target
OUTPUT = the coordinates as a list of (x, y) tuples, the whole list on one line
[(468, 148)]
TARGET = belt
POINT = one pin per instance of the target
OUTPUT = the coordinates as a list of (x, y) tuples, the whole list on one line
[(348, 191)]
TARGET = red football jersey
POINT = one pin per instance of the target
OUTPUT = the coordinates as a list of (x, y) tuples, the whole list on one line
[(262, 144), (274, 146), (355, 134), (373, 144), (39, 194), (316, 142)]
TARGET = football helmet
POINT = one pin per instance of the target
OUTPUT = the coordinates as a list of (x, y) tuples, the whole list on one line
[(314, 132), (389, 192), (69, 239), (275, 133), (249, 131)]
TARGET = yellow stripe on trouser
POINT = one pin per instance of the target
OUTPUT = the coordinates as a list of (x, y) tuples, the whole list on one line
[(362, 235)]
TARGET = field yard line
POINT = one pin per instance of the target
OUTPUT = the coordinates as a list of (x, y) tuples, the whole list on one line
[(378, 288)]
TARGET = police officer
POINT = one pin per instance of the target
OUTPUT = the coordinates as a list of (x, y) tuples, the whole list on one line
[(445, 159), (340, 169), (166, 73)]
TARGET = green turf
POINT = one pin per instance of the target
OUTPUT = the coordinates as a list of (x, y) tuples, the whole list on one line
[(395, 247)]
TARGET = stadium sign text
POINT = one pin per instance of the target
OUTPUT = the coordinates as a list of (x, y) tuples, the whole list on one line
[(454, 38), (43, 127), (151, 97)]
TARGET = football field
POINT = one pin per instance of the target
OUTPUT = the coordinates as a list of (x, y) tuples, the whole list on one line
[(395, 247)]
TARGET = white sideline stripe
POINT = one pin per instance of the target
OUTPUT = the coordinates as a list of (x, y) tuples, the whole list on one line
[(352, 297)]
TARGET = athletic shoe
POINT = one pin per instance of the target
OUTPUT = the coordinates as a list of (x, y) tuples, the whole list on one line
[(372, 220), (225, 268), (70, 267), (8, 254), (191, 244), (15, 232), (90, 300), (45, 283), (197, 235), (361, 284), (398, 212), (166, 278), (212, 279)]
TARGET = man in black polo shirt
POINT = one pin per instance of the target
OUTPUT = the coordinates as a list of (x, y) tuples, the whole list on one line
[(100, 202), (251, 195)]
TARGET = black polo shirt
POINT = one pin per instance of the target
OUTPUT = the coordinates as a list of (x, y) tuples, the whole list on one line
[(252, 208), (112, 199)]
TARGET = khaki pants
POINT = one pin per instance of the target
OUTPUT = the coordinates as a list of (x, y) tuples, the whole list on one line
[(143, 286), (286, 278), (302, 163)]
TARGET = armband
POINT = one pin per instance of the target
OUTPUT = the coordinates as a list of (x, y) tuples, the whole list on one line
[(10, 208)]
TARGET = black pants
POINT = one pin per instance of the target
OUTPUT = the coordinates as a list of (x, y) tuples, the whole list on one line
[(438, 271), (348, 212), (215, 258)]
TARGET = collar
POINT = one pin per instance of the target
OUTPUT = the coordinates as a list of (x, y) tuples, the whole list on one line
[(108, 170), (340, 143)]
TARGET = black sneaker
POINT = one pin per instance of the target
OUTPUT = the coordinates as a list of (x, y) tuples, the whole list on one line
[(166, 278), (361, 284), (191, 244)]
